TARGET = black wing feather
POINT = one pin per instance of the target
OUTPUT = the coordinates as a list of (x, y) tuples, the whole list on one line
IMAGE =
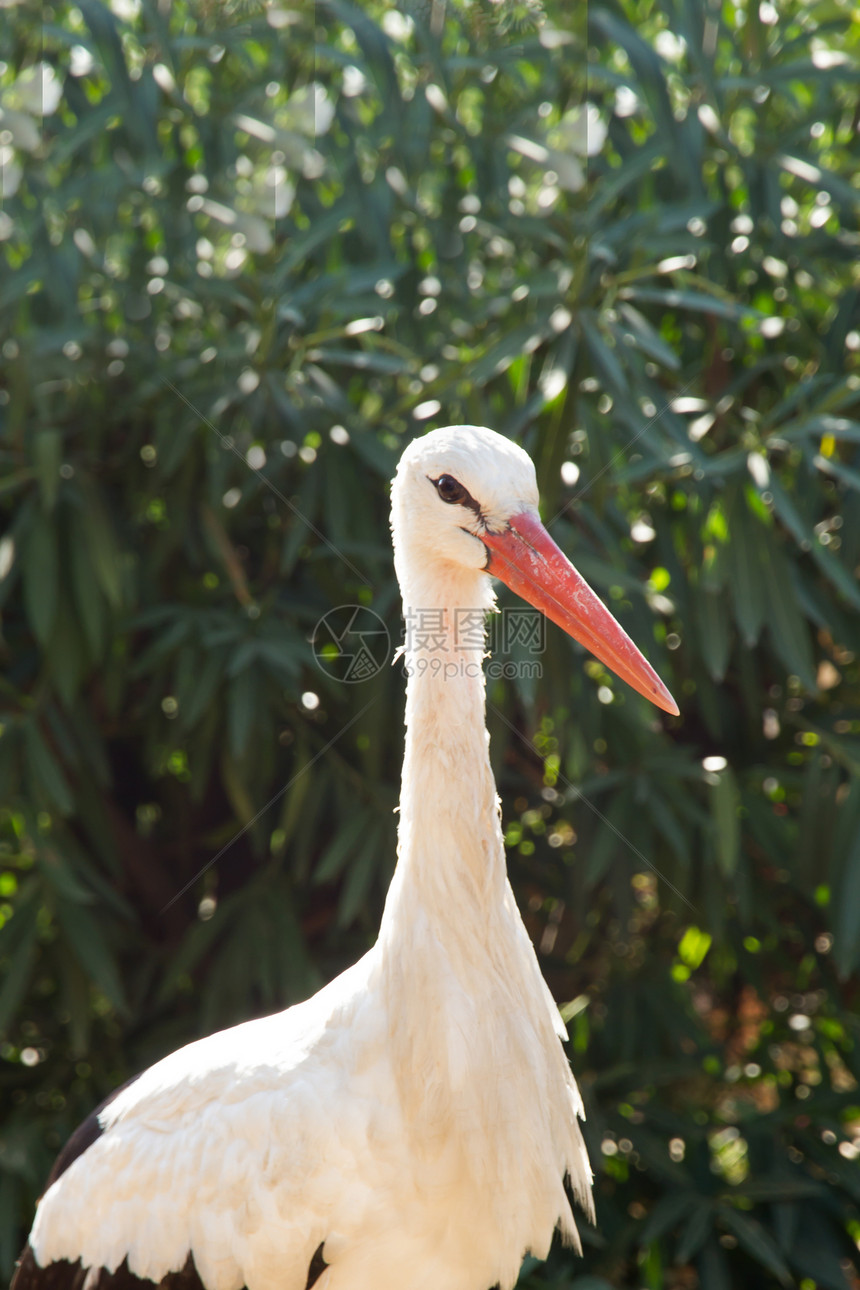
[(63, 1275), (84, 1136)]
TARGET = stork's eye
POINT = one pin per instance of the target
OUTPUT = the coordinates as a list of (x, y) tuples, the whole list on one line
[(450, 489)]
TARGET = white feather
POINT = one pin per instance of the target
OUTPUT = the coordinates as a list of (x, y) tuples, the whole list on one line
[(418, 1115)]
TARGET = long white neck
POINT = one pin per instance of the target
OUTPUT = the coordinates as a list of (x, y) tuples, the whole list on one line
[(471, 1031), (451, 866)]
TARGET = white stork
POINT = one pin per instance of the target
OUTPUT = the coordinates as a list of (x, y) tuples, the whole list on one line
[(413, 1125)]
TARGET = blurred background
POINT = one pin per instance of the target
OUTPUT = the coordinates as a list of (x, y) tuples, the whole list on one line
[(248, 252)]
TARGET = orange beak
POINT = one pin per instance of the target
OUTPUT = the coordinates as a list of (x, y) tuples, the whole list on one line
[(525, 557)]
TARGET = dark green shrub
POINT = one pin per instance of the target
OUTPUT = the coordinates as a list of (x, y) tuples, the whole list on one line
[(201, 280)]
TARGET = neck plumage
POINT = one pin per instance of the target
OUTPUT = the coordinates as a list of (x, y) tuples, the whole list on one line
[(451, 865)]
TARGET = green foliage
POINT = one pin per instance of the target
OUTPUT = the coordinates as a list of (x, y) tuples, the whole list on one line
[(248, 253)]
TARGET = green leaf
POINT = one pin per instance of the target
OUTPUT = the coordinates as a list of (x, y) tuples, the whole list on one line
[(41, 577), (363, 868), (787, 512), (713, 1269), (198, 940), (373, 453), (649, 340), (89, 600), (58, 874), (237, 790), (757, 1241), (605, 360), (46, 776), (19, 967), (76, 1000), (725, 801), (86, 939), (610, 836), (714, 638), (66, 655), (696, 301), (818, 1251), (635, 166), (812, 172), (47, 456), (696, 1231), (197, 692), (364, 360), (667, 824), (828, 562), (104, 551), (845, 474), (666, 1215), (499, 356), (846, 926), (319, 231), (13, 1201), (337, 855), (242, 712), (298, 534), (835, 571), (788, 630), (746, 571), (166, 643), (693, 946), (777, 1188)]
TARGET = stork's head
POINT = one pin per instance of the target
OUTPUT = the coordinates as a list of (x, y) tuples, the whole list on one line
[(465, 499)]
